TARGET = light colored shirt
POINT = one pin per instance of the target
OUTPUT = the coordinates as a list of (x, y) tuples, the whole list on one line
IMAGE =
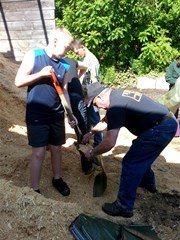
[(93, 66)]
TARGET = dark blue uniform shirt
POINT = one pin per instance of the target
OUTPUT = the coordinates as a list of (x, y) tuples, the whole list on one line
[(134, 111)]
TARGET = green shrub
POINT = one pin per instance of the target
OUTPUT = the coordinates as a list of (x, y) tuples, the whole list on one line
[(112, 77), (138, 34), (108, 75), (155, 56)]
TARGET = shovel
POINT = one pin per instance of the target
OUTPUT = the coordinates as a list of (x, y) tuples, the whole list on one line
[(100, 181), (85, 164), (65, 105)]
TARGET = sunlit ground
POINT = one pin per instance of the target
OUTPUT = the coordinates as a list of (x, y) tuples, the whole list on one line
[(171, 153), (21, 130)]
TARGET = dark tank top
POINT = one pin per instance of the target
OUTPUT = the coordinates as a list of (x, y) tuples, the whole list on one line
[(43, 104)]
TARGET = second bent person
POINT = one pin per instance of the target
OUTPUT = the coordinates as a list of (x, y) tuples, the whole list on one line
[(87, 77)]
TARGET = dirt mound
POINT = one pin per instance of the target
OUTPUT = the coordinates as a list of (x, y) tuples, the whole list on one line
[(8, 71), (26, 215), (29, 215)]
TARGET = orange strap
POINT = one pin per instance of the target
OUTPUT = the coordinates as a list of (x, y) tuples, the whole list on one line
[(56, 83)]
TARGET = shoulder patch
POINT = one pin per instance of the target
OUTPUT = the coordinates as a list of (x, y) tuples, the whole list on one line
[(132, 94)]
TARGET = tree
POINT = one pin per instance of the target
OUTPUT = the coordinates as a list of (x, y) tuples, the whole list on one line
[(123, 33)]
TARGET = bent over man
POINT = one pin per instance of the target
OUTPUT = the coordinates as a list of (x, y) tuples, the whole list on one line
[(154, 127)]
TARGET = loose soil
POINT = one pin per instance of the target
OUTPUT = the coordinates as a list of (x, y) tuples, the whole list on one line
[(29, 215)]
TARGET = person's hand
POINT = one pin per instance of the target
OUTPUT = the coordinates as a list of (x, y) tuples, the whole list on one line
[(73, 122), (87, 150), (86, 100), (88, 155), (86, 137), (46, 71)]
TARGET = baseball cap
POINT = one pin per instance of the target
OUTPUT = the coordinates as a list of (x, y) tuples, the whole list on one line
[(93, 90)]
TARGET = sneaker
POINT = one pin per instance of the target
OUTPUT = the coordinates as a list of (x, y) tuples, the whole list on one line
[(61, 186), (149, 188), (115, 209)]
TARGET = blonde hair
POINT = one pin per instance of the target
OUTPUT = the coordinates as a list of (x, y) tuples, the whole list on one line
[(59, 32)]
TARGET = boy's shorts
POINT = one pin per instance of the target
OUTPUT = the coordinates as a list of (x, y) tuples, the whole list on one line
[(43, 135)]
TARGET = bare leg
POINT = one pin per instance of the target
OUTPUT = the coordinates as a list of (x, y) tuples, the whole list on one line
[(57, 180), (56, 161), (38, 155)]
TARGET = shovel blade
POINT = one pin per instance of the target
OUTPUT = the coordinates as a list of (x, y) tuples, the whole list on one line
[(86, 165), (100, 184)]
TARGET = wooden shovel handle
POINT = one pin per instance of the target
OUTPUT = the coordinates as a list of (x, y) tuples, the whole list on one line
[(65, 104), (102, 163), (56, 83)]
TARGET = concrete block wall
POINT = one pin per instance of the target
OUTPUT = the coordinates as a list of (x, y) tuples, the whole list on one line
[(152, 83)]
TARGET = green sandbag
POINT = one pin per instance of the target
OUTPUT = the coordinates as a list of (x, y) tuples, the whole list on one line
[(86, 227), (172, 98)]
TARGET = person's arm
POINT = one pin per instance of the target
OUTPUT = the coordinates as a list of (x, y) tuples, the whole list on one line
[(24, 77), (106, 145), (66, 96), (94, 75), (94, 71), (82, 68), (99, 127), (81, 74), (65, 89)]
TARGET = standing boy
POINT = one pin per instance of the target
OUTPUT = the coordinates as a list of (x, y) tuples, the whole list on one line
[(44, 111)]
